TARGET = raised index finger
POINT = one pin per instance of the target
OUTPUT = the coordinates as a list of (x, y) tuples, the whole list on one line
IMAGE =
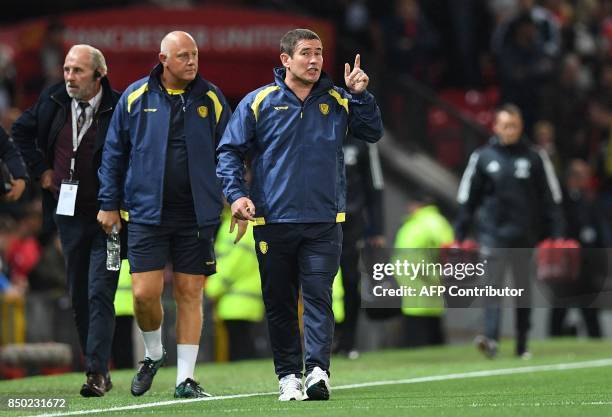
[(357, 61)]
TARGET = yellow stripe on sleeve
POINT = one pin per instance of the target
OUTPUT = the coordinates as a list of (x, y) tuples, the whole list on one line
[(260, 97), (134, 95), (218, 106), (342, 101)]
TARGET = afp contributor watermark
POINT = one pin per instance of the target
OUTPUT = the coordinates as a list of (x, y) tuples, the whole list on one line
[(442, 290), (525, 277)]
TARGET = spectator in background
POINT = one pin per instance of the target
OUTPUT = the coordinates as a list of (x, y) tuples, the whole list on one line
[(597, 147), (582, 35), (356, 27), (599, 113), (24, 250), (356, 22), (39, 61), (47, 285), (10, 288), (409, 41), (547, 34), (544, 135), (52, 54), (524, 66), (502, 10), (605, 29), (561, 12), (563, 102), (5, 285), (409, 45), (364, 227), (236, 289), (61, 139), (585, 224), (516, 194), (7, 79), (13, 182), (424, 228), (468, 19)]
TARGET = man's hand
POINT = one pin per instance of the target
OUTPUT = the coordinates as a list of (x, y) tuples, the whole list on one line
[(108, 219), (46, 181), (17, 188), (243, 209), (356, 81), (242, 228)]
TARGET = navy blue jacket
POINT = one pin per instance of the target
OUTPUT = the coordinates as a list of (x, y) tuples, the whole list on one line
[(296, 148), (36, 131), (134, 157)]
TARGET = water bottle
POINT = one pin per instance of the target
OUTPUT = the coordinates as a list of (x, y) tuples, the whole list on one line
[(113, 250)]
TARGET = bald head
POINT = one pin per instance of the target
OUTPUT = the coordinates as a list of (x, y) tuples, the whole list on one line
[(176, 39), (179, 56)]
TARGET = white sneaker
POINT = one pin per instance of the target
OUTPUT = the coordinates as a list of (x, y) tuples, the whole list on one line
[(317, 385), (290, 388)]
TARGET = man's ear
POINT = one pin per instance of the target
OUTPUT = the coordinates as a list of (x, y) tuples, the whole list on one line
[(285, 59), (162, 58)]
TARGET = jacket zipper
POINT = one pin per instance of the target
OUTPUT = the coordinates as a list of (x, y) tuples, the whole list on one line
[(185, 105), (300, 137)]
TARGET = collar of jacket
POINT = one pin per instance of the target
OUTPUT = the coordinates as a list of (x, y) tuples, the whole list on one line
[(61, 97), (198, 87), (322, 86)]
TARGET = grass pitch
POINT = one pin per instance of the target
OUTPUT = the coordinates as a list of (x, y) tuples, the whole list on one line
[(565, 378)]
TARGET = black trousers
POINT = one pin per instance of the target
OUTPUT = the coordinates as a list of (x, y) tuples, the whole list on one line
[(349, 263), (91, 286), (294, 257), (589, 315)]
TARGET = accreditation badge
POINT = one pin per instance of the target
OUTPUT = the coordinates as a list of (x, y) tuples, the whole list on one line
[(67, 198)]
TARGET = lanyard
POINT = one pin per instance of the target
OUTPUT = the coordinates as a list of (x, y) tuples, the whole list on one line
[(77, 138)]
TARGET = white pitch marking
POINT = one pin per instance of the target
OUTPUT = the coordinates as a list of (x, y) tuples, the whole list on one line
[(475, 374)]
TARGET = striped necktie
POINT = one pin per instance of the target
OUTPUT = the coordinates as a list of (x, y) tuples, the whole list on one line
[(82, 117)]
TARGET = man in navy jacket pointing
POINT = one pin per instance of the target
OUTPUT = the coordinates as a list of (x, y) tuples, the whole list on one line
[(293, 129)]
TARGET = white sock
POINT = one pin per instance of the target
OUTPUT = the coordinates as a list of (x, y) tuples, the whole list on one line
[(185, 363), (153, 344)]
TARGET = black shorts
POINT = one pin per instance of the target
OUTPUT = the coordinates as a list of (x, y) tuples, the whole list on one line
[(190, 250)]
